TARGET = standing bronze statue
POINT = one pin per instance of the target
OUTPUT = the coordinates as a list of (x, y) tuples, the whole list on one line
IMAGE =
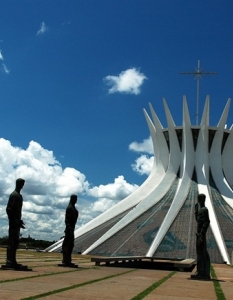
[(14, 211), (203, 221), (68, 242)]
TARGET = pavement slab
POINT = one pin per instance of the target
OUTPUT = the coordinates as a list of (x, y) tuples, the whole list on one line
[(224, 274), (44, 284), (179, 286), (122, 287)]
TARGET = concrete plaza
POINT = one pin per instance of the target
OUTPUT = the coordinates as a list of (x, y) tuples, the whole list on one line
[(48, 281)]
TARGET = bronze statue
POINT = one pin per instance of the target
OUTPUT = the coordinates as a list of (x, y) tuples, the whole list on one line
[(13, 210), (68, 242), (203, 259)]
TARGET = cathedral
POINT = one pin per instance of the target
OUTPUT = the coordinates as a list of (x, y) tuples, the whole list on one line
[(157, 220)]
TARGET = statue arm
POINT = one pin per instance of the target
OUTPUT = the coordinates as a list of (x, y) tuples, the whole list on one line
[(196, 211), (10, 207), (206, 222), (13, 211)]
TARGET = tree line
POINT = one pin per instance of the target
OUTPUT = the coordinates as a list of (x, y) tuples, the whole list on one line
[(28, 242)]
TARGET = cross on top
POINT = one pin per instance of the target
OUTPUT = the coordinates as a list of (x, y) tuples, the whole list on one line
[(198, 73)]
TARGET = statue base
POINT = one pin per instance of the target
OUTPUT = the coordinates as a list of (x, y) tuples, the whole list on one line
[(199, 277), (17, 267), (71, 265)]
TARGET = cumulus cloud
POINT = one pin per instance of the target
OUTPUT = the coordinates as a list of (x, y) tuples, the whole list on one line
[(143, 165), (48, 188), (102, 204), (1, 56), (117, 190), (145, 146), (43, 29), (108, 195), (129, 81)]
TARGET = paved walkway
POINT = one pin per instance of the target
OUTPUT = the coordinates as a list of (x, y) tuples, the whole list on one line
[(48, 281)]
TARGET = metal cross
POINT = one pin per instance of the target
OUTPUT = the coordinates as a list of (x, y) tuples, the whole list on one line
[(198, 73)]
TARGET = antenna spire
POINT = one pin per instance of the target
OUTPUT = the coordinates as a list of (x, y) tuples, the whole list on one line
[(198, 73)]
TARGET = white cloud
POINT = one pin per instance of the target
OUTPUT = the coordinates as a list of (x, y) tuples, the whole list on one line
[(117, 190), (70, 182), (102, 204), (48, 188), (129, 81), (5, 69), (43, 29), (146, 146), (110, 194), (143, 165)]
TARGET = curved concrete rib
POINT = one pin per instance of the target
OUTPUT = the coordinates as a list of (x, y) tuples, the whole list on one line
[(227, 161), (133, 199), (158, 190), (202, 171), (216, 159), (128, 203), (187, 160), (163, 153)]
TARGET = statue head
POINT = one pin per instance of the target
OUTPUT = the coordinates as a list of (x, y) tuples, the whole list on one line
[(201, 199), (19, 183), (73, 199)]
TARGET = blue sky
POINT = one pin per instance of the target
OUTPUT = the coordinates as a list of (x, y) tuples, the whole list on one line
[(74, 79)]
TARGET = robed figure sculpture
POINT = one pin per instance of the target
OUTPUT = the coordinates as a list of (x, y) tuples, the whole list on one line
[(203, 221), (71, 217), (14, 211)]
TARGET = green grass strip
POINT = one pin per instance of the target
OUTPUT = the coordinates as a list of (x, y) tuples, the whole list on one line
[(147, 291), (218, 290), (74, 286)]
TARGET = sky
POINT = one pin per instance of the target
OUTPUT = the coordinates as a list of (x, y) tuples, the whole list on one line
[(74, 78)]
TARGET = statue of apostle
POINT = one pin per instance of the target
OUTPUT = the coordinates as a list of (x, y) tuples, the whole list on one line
[(70, 221), (203, 259), (13, 210)]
